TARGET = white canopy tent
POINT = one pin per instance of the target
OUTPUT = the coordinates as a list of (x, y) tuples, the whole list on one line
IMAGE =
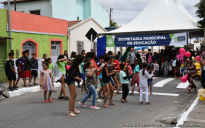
[(159, 16), (183, 9)]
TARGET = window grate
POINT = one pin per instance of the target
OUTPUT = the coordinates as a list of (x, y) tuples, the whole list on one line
[(80, 46)]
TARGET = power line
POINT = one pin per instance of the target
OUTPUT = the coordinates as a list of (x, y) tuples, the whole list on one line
[(127, 10)]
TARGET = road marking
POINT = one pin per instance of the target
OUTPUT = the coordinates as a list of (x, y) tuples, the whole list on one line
[(157, 93), (163, 82), (184, 116), (154, 78), (183, 85)]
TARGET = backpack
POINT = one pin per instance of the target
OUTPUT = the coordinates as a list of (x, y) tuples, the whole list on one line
[(6, 66), (17, 62)]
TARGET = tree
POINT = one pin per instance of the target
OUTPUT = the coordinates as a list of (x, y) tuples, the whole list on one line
[(114, 24), (201, 13)]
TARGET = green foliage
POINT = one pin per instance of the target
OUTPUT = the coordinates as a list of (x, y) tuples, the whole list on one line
[(114, 24), (201, 13)]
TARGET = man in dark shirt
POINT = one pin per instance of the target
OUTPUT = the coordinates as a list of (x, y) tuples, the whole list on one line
[(28, 66), (11, 72)]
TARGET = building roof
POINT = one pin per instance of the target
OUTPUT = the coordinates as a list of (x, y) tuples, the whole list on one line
[(84, 21), (159, 15), (71, 23), (18, 1)]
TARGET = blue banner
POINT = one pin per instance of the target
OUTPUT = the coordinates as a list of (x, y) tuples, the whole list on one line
[(171, 39)]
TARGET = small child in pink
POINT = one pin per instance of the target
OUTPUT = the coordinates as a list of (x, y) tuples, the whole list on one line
[(129, 68)]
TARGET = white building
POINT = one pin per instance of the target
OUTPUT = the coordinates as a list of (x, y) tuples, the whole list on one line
[(77, 41)]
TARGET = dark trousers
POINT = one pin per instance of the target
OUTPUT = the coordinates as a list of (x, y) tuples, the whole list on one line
[(203, 78), (133, 66), (125, 91)]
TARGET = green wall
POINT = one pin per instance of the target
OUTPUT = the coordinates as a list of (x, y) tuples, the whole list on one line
[(4, 45), (42, 40), (3, 25), (18, 37)]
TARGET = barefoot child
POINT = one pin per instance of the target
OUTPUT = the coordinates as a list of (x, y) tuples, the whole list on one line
[(46, 82), (124, 80), (150, 81), (144, 76), (106, 78)]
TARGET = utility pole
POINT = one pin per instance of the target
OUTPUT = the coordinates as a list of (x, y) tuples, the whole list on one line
[(14, 5), (9, 24), (111, 9)]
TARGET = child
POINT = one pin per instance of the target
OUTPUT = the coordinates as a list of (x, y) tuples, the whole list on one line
[(90, 84), (156, 68), (116, 64), (143, 55), (129, 70), (83, 76), (44, 58), (51, 67), (106, 78), (46, 82), (150, 81), (136, 76), (21, 71), (11, 72), (61, 63), (198, 66), (124, 80), (34, 68), (100, 64), (191, 72), (144, 76)]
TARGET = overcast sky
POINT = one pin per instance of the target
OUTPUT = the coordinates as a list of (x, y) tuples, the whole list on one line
[(125, 11)]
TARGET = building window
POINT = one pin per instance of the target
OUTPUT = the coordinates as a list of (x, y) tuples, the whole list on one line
[(78, 18), (95, 46), (36, 12), (55, 48), (80, 46)]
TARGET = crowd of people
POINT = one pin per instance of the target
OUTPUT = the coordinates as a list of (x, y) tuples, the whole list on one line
[(101, 76)]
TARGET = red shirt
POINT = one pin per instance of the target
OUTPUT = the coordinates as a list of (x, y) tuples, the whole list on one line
[(117, 64), (95, 66)]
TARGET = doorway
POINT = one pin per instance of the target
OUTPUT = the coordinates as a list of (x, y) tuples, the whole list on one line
[(29, 45)]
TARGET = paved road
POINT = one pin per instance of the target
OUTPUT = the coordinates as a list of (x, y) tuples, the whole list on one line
[(29, 111)]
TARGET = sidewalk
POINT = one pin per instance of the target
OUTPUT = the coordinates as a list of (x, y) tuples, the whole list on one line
[(197, 116), (21, 83), (24, 90)]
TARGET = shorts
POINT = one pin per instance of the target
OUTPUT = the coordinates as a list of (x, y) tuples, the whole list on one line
[(11, 76), (28, 73), (70, 83), (156, 72), (34, 73), (22, 74), (102, 84), (107, 82), (115, 79), (118, 76), (82, 76), (150, 82)]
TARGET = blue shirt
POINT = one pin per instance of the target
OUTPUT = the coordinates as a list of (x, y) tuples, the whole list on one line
[(100, 76), (137, 69), (81, 69)]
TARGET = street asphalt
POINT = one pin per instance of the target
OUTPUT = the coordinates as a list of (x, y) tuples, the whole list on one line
[(30, 111)]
